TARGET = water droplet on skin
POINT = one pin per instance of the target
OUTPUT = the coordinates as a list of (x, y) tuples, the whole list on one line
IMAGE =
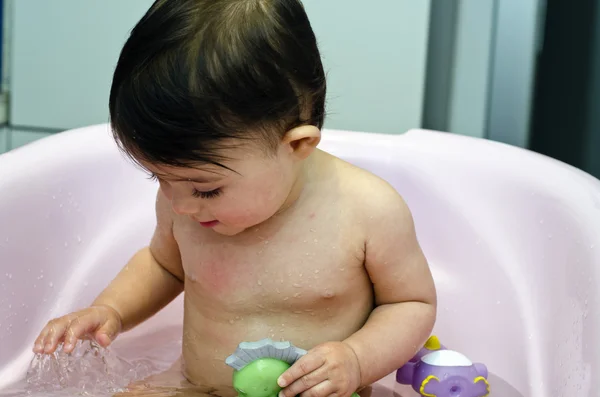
[(315, 240), (277, 290), (60, 205), (317, 271), (592, 246), (231, 321), (26, 320), (262, 307), (342, 269), (497, 302), (297, 312), (53, 197), (297, 286), (286, 298), (79, 239), (259, 282), (66, 244), (297, 295), (266, 242), (312, 230), (50, 285)]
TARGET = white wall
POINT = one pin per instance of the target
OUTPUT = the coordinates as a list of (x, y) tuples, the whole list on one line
[(63, 56), (64, 53), (375, 54)]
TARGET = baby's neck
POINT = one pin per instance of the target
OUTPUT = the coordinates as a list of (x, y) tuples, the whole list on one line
[(305, 175)]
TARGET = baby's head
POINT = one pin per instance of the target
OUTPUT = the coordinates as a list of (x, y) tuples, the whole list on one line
[(222, 100)]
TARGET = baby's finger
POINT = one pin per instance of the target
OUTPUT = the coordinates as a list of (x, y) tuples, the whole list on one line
[(323, 389), (305, 383), (303, 366), (38, 344), (55, 332)]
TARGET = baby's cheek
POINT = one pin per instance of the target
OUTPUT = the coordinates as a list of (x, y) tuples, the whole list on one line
[(239, 212)]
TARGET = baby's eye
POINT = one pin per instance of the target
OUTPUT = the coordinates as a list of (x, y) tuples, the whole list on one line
[(206, 195)]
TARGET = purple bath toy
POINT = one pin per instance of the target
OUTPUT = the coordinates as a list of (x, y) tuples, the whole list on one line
[(436, 371)]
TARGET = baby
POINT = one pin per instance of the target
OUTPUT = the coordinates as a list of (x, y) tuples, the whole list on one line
[(223, 101)]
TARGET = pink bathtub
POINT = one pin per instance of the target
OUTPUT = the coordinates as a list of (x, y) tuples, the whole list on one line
[(513, 239)]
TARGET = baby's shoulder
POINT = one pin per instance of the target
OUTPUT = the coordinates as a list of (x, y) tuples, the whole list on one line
[(370, 195)]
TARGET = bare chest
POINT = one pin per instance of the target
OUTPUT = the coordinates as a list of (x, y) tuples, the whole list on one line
[(291, 268)]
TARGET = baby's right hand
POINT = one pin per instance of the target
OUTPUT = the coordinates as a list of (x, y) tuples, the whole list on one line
[(100, 323)]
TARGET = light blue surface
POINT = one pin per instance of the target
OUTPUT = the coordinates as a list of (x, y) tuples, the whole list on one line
[(375, 54), (511, 89), (3, 137), (65, 52)]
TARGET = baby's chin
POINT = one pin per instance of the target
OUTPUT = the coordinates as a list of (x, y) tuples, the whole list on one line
[(230, 231)]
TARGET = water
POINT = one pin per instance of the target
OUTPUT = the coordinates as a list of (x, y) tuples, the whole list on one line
[(89, 370)]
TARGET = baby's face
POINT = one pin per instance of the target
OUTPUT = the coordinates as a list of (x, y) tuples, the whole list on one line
[(230, 201)]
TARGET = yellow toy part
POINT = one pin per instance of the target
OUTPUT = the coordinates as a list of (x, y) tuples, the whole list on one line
[(484, 380), (425, 382), (433, 343)]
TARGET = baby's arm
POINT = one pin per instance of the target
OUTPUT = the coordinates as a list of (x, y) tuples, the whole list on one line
[(150, 280), (405, 294)]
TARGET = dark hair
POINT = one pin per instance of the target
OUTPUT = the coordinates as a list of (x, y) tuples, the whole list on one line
[(195, 73)]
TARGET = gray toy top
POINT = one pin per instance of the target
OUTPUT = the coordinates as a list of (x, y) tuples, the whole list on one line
[(264, 348)]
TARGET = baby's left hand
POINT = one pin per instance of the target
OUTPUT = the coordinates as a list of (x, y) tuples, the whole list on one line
[(330, 369)]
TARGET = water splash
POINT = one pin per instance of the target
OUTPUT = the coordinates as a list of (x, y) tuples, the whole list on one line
[(89, 369)]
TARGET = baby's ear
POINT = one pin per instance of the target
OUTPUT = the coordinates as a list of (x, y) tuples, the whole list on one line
[(302, 141)]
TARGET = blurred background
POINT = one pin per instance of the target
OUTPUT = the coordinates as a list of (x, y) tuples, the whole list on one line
[(522, 72)]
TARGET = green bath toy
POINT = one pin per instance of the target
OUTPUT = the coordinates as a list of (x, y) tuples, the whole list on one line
[(259, 364)]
